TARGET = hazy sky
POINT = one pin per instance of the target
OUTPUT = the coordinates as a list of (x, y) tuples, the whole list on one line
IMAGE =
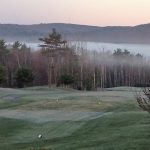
[(91, 12)]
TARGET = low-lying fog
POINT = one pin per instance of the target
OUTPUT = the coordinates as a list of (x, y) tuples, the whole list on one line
[(143, 49)]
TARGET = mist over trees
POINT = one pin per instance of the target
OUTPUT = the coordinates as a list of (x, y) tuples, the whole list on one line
[(60, 64)]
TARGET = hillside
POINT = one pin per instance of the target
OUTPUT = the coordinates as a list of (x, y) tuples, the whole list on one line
[(114, 34)]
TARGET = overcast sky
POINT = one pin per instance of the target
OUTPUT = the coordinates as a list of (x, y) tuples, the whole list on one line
[(91, 12)]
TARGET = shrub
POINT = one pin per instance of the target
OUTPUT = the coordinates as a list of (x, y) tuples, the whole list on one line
[(2, 74), (66, 79), (24, 76)]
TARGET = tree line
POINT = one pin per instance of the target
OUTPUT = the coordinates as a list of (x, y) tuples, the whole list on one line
[(60, 64)]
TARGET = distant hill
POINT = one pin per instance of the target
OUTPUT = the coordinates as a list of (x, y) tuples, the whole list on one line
[(113, 34)]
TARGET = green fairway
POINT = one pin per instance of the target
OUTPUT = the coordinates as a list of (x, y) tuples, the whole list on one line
[(72, 120)]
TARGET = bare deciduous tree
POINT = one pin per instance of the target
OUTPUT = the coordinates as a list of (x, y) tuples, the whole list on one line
[(144, 99)]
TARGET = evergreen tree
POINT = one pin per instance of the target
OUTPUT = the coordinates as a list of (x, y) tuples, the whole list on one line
[(53, 46), (66, 79), (3, 52), (24, 76), (2, 74)]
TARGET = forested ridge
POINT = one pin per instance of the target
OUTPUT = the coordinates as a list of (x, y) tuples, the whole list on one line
[(75, 32)]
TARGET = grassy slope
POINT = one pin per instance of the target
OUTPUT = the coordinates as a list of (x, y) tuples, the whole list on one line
[(122, 127)]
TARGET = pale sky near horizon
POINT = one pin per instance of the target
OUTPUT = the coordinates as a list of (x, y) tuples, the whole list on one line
[(89, 12)]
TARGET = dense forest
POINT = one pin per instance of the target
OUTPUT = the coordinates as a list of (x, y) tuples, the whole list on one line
[(58, 63)]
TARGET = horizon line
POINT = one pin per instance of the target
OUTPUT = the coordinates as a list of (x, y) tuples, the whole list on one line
[(19, 24)]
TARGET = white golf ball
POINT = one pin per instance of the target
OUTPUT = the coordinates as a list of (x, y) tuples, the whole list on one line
[(39, 136)]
